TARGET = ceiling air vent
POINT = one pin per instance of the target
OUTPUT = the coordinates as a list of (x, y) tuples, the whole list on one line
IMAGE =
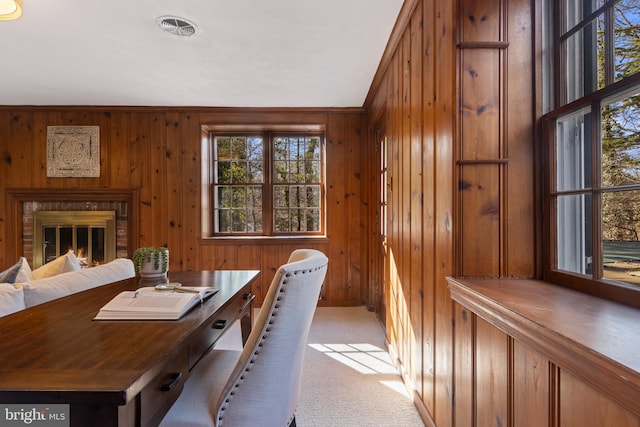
[(177, 26)]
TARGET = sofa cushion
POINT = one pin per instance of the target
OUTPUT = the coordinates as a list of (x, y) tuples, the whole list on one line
[(24, 275), (11, 299), (62, 264), (10, 274), (17, 273), (49, 288)]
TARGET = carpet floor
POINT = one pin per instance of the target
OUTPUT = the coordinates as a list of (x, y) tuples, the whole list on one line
[(348, 377)]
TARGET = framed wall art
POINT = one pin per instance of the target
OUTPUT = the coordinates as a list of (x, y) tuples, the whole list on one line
[(73, 151)]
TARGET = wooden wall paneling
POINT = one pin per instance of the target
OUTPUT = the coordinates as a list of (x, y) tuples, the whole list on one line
[(225, 257), (38, 143), (18, 159), (52, 118), (417, 201), (213, 257), (248, 257), (353, 205), (191, 159), (480, 125), (103, 121), (397, 204), (281, 255), (531, 385), (9, 163), (265, 116), (428, 204), (378, 249), (394, 210), (336, 203), (519, 116), (91, 118), (375, 121), (481, 20), (492, 358), (444, 119), (5, 164), (479, 220), (117, 148), (370, 202), (159, 183), (405, 344), (141, 175), (370, 191), (271, 260), (464, 366), (174, 187), (582, 405), (5, 147)]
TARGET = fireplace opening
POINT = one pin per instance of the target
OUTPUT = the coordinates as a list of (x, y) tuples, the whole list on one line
[(90, 234)]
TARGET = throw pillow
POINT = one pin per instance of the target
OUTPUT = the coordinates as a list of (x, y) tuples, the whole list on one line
[(24, 275), (62, 264), (19, 272), (10, 274)]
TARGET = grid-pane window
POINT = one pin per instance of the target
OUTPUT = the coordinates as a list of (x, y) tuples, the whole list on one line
[(267, 184), (297, 186), (238, 169), (593, 146)]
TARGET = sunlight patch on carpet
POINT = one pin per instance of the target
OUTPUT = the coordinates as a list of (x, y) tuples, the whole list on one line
[(364, 358)]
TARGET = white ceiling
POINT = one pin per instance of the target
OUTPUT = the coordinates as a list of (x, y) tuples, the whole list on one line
[(246, 53)]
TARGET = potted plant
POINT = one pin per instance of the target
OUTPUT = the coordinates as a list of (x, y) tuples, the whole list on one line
[(151, 262)]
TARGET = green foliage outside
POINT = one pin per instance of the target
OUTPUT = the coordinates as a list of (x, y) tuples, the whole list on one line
[(239, 179)]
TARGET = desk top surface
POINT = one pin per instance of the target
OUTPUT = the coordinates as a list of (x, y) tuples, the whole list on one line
[(57, 346)]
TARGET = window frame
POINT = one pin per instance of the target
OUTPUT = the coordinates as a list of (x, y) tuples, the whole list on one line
[(268, 134), (593, 283)]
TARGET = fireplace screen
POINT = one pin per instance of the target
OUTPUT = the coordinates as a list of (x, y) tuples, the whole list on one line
[(91, 235)]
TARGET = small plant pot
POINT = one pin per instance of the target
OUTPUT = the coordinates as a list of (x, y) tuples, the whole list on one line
[(149, 271), (151, 263)]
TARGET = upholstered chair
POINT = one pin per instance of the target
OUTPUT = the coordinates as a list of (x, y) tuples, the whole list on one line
[(258, 386)]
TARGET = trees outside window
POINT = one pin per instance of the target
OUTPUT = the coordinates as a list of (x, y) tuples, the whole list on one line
[(592, 141), (267, 184)]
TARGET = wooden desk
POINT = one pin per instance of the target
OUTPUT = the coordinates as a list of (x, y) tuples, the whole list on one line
[(115, 373)]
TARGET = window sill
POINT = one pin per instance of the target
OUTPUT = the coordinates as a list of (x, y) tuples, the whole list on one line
[(263, 240), (598, 340)]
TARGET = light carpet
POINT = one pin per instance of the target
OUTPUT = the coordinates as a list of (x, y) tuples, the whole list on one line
[(348, 377)]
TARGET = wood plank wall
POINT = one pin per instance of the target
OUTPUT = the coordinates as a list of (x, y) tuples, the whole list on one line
[(156, 152), (454, 96)]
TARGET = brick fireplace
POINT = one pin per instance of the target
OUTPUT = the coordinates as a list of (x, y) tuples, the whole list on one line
[(97, 235), (22, 204)]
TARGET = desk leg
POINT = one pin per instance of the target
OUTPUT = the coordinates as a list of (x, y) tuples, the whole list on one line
[(246, 317)]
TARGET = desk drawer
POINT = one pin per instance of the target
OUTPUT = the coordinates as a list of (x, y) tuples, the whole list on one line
[(158, 396), (214, 330)]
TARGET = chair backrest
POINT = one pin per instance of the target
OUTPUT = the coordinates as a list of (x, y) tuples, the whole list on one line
[(264, 386)]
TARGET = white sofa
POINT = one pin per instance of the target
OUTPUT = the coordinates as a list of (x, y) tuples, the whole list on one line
[(18, 296)]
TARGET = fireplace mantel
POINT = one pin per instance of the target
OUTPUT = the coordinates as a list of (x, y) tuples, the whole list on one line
[(15, 198)]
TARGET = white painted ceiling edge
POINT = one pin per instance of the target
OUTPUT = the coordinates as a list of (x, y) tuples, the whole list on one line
[(245, 53)]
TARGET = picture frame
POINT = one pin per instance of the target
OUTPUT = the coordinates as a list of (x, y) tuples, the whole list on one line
[(73, 151)]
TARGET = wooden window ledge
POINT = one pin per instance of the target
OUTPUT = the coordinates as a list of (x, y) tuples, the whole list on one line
[(596, 339)]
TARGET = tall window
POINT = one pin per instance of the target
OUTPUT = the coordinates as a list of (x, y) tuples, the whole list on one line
[(592, 189), (267, 184)]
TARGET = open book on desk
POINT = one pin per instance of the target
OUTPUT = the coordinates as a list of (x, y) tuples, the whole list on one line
[(162, 302)]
